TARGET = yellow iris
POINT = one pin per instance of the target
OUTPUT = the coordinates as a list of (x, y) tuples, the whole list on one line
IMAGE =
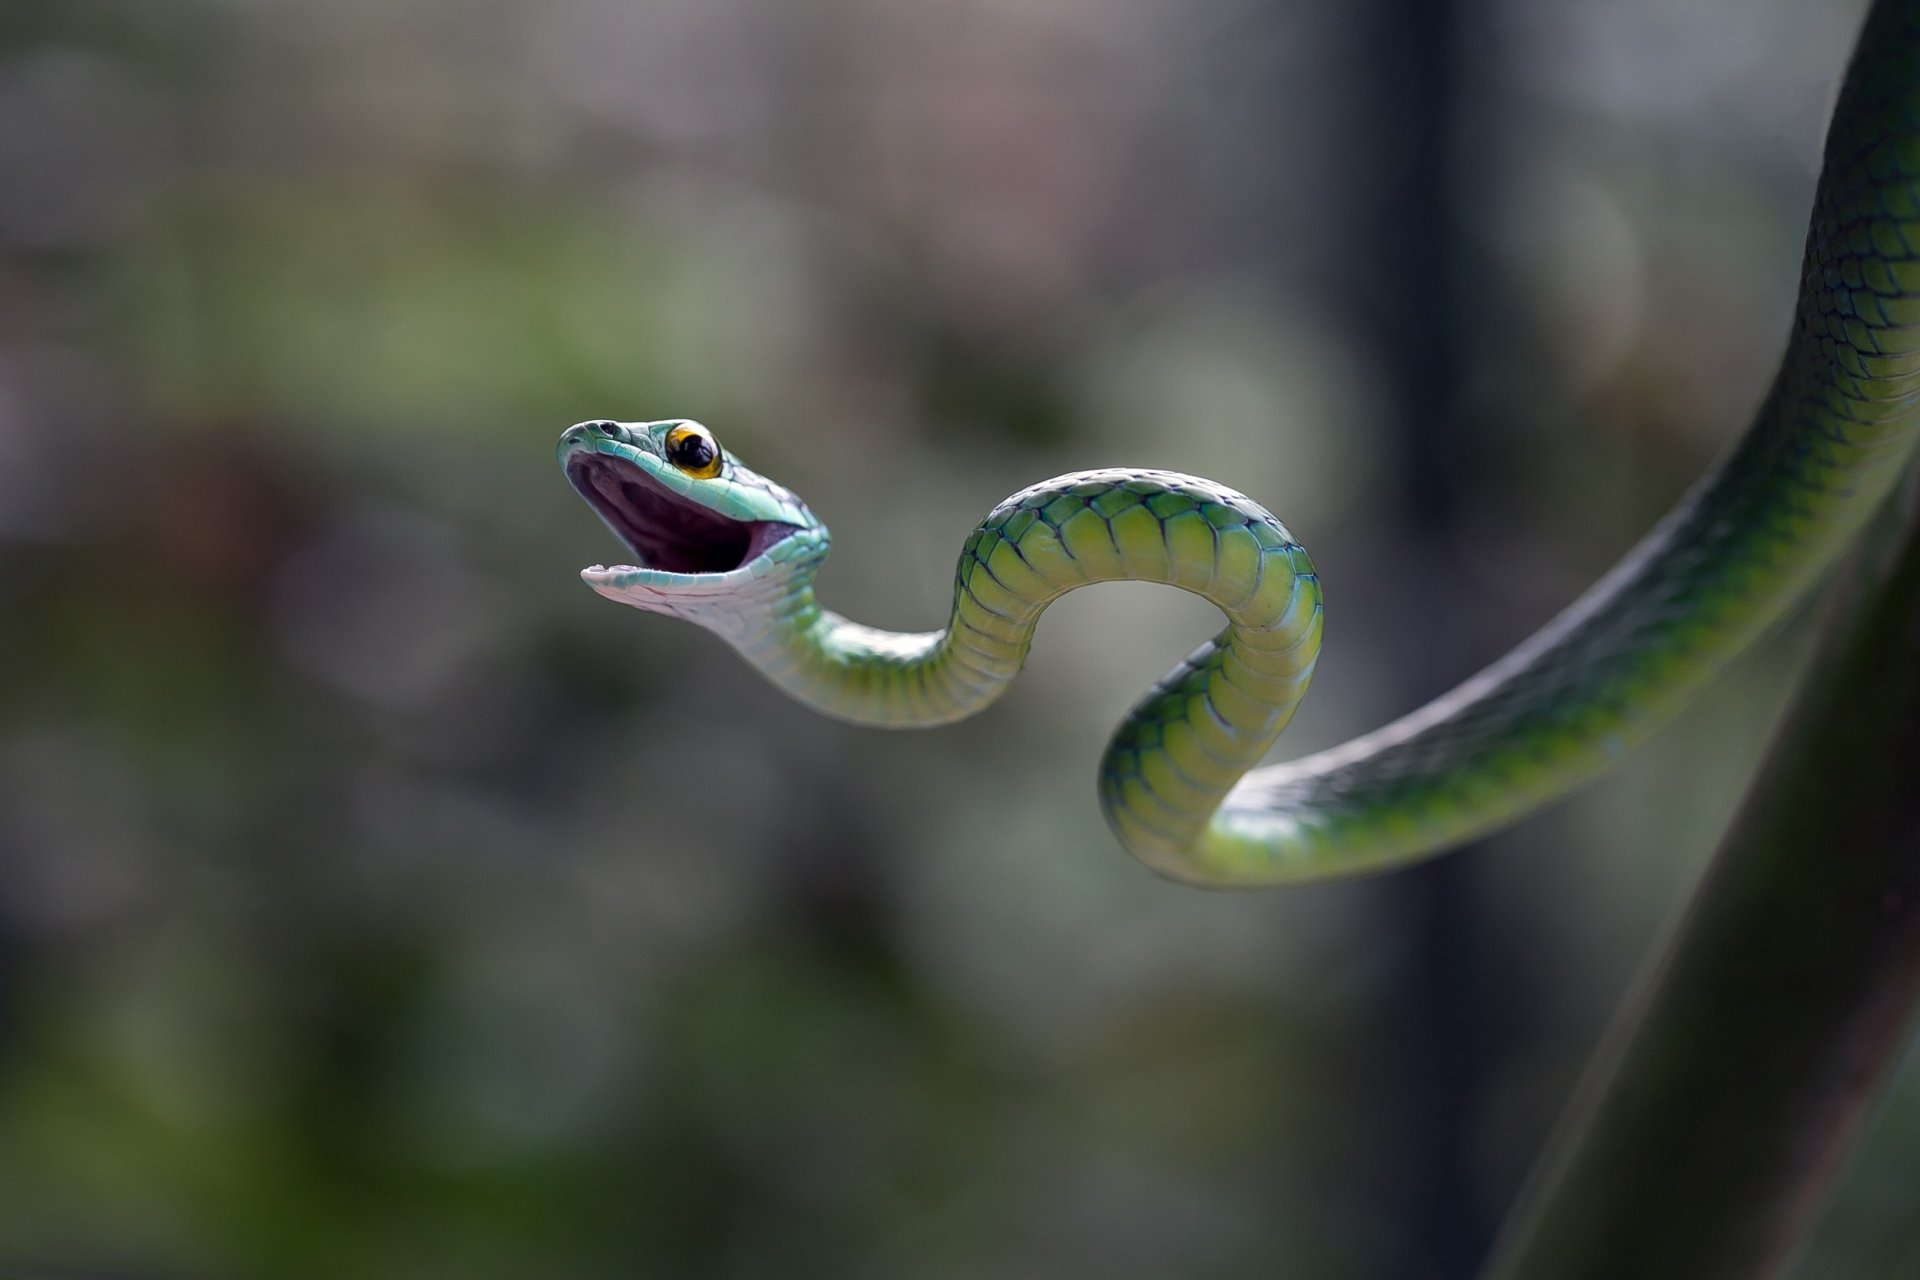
[(692, 448)]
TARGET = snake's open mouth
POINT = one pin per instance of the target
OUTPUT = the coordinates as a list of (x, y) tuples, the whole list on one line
[(664, 530)]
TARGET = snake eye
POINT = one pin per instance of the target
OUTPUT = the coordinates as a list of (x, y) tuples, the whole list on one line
[(692, 448)]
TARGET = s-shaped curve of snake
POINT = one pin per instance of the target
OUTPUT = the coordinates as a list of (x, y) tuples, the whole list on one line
[(723, 547)]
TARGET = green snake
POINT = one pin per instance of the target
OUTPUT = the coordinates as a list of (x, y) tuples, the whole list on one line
[(719, 545)]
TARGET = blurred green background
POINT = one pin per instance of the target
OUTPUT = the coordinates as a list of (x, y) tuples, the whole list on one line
[(376, 901)]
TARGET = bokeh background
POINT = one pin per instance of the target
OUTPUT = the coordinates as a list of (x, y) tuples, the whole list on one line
[(376, 901)]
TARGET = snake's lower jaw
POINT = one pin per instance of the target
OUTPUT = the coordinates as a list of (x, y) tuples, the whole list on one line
[(679, 595), (728, 602)]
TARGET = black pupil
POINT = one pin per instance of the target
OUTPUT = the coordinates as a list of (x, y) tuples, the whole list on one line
[(691, 451)]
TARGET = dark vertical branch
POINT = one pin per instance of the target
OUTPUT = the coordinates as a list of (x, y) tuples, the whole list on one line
[(1409, 250), (1717, 1127), (1411, 239)]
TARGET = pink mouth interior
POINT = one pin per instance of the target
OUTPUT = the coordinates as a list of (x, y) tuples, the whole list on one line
[(664, 530)]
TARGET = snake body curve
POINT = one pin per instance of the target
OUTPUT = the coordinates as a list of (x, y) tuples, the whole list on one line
[(726, 548)]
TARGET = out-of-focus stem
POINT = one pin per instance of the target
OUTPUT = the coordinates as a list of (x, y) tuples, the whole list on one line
[(1717, 1120)]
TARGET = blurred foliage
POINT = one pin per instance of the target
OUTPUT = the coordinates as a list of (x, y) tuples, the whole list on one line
[(376, 901)]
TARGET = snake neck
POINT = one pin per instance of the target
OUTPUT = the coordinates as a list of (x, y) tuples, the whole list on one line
[(1205, 724)]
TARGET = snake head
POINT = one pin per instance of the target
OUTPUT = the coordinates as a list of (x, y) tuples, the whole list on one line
[(710, 537)]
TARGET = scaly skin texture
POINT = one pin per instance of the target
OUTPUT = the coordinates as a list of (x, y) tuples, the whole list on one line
[(1831, 437)]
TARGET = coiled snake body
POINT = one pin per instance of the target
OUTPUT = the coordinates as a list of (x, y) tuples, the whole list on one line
[(721, 546)]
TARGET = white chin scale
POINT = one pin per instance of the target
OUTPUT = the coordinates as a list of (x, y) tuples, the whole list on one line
[(732, 604)]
